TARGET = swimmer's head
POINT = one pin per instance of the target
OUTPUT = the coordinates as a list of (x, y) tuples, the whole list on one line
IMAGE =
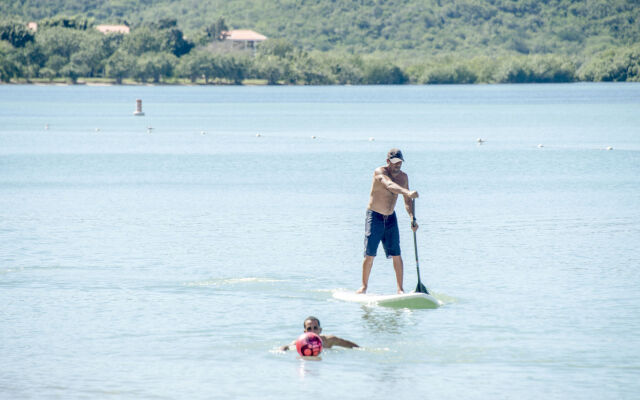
[(312, 324)]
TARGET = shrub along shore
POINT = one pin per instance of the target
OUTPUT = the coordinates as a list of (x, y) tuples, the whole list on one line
[(70, 50)]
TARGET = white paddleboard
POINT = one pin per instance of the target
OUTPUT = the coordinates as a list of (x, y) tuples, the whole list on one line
[(406, 300)]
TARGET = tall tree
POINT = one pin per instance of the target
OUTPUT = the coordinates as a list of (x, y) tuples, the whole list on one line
[(16, 33), (218, 30), (76, 22), (176, 43), (8, 68), (120, 65)]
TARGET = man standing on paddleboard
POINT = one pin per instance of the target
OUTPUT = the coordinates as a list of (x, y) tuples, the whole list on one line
[(381, 222)]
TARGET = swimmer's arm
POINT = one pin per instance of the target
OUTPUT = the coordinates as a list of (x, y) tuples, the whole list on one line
[(290, 346), (394, 187), (331, 341)]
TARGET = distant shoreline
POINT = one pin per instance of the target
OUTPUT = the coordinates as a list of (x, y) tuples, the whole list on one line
[(94, 83), (109, 82)]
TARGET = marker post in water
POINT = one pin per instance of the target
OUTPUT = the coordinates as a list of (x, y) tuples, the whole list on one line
[(138, 112)]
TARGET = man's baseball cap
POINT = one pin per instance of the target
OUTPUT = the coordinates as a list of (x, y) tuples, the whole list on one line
[(395, 155)]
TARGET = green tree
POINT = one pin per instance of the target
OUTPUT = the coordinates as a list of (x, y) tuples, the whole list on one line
[(143, 40), (535, 69), (187, 68), (166, 63), (217, 30), (207, 65), (73, 71), (47, 73), (153, 66), (166, 23), (272, 69), (277, 47), (8, 68), (234, 68), (615, 65), (202, 64), (120, 65), (75, 22), (55, 64), (310, 71), (60, 41), (345, 72), (92, 54), (176, 43), (111, 43), (16, 33), (380, 73), (450, 73)]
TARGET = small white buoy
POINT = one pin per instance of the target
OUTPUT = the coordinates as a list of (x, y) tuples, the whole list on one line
[(258, 135), (540, 146), (609, 148), (138, 111), (371, 139), (46, 127)]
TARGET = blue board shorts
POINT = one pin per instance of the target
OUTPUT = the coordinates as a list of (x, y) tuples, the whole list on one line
[(381, 228)]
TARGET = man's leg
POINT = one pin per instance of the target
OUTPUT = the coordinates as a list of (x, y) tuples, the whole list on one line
[(367, 263), (399, 268)]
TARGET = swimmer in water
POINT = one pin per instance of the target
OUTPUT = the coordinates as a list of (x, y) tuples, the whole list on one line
[(312, 324)]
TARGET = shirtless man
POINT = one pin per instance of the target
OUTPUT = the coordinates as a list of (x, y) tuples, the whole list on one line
[(312, 324), (381, 223)]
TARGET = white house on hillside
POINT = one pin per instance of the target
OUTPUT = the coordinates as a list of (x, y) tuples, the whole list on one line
[(245, 38), (113, 29)]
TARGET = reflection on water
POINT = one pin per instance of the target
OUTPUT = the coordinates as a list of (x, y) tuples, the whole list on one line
[(306, 367), (445, 299), (385, 320), (232, 281)]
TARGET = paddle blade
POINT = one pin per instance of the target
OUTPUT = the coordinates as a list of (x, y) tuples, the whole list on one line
[(421, 288)]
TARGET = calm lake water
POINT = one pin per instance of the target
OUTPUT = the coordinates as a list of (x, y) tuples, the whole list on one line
[(172, 262)]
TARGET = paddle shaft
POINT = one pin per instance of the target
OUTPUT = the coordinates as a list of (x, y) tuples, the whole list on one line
[(420, 288), (415, 247)]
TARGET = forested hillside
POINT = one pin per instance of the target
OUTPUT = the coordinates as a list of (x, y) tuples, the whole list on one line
[(374, 41)]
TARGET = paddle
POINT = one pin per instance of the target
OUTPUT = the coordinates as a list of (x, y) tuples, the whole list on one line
[(420, 288)]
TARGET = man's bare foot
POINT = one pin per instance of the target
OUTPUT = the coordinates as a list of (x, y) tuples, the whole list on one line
[(400, 291), (362, 290)]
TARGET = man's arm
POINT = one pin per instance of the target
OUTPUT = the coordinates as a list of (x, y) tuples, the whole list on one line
[(409, 205), (331, 341), (288, 346), (393, 187)]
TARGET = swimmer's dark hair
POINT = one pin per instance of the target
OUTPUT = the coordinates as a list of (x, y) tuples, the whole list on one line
[(310, 318)]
